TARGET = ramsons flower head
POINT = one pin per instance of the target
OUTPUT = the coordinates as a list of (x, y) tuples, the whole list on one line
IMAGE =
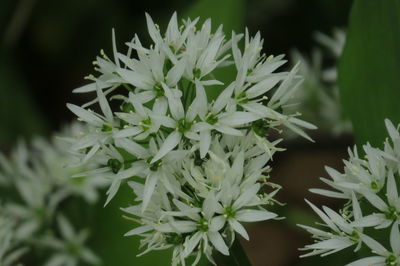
[(369, 184), (197, 165), (36, 180)]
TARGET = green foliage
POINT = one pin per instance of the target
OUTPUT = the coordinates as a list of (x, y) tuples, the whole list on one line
[(369, 71), (18, 115)]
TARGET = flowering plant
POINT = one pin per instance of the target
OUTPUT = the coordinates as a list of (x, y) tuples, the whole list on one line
[(34, 183), (197, 166), (370, 189)]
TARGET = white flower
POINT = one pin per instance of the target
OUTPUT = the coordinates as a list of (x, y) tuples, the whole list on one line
[(39, 180), (212, 198), (203, 164), (318, 96), (341, 232), (385, 257), (10, 252), (372, 183), (70, 249)]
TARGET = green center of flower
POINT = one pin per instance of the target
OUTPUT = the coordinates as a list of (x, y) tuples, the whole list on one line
[(391, 260), (158, 89), (229, 212), (154, 166), (391, 213), (73, 249), (260, 127), (355, 236), (196, 73), (242, 98), (115, 165), (202, 225), (106, 128), (184, 125), (374, 185), (211, 119), (146, 124), (127, 107)]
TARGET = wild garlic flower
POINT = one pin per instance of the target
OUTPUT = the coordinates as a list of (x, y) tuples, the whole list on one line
[(163, 97), (10, 250), (37, 180), (318, 98), (70, 249), (197, 166), (203, 209), (370, 184)]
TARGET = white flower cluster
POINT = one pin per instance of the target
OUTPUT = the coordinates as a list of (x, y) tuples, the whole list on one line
[(197, 163), (318, 98), (200, 206), (371, 187), (33, 184), (9, 253)]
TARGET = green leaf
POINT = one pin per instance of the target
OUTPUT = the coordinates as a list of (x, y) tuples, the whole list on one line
[(19, 116), (229, 13), (369, 71)]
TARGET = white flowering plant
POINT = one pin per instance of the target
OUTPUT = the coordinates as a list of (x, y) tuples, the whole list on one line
[(318, 97), (197, 166), (370, 188), (35, 181)]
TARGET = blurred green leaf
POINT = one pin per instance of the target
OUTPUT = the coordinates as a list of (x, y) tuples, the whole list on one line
[(229, 13), (369, 71), (18, 114)]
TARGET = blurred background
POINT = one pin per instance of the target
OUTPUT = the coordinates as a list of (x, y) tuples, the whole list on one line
[(47, 48)]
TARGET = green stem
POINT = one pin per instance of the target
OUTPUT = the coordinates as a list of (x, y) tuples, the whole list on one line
[(237, 256)]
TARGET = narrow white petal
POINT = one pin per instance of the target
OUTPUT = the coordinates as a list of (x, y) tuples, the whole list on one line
[(395, 238), (175, 103), (112, 191), (217, 223), (218, 242), (254, 215), (356, 207), (128, 132), (376, 201), (368, 221), (201, 100), (205, 141), (169, 144), (374, 260), (132, 147), (323, 216), (391, 189), (393, 132), (262, 87), (238, 228), (228, 130), (374, 245), (149, 187), (85, 115), (246, 196), (139, 230), (223, 99), (191, 243), (153, 31), (238, 118), (175, 73)]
